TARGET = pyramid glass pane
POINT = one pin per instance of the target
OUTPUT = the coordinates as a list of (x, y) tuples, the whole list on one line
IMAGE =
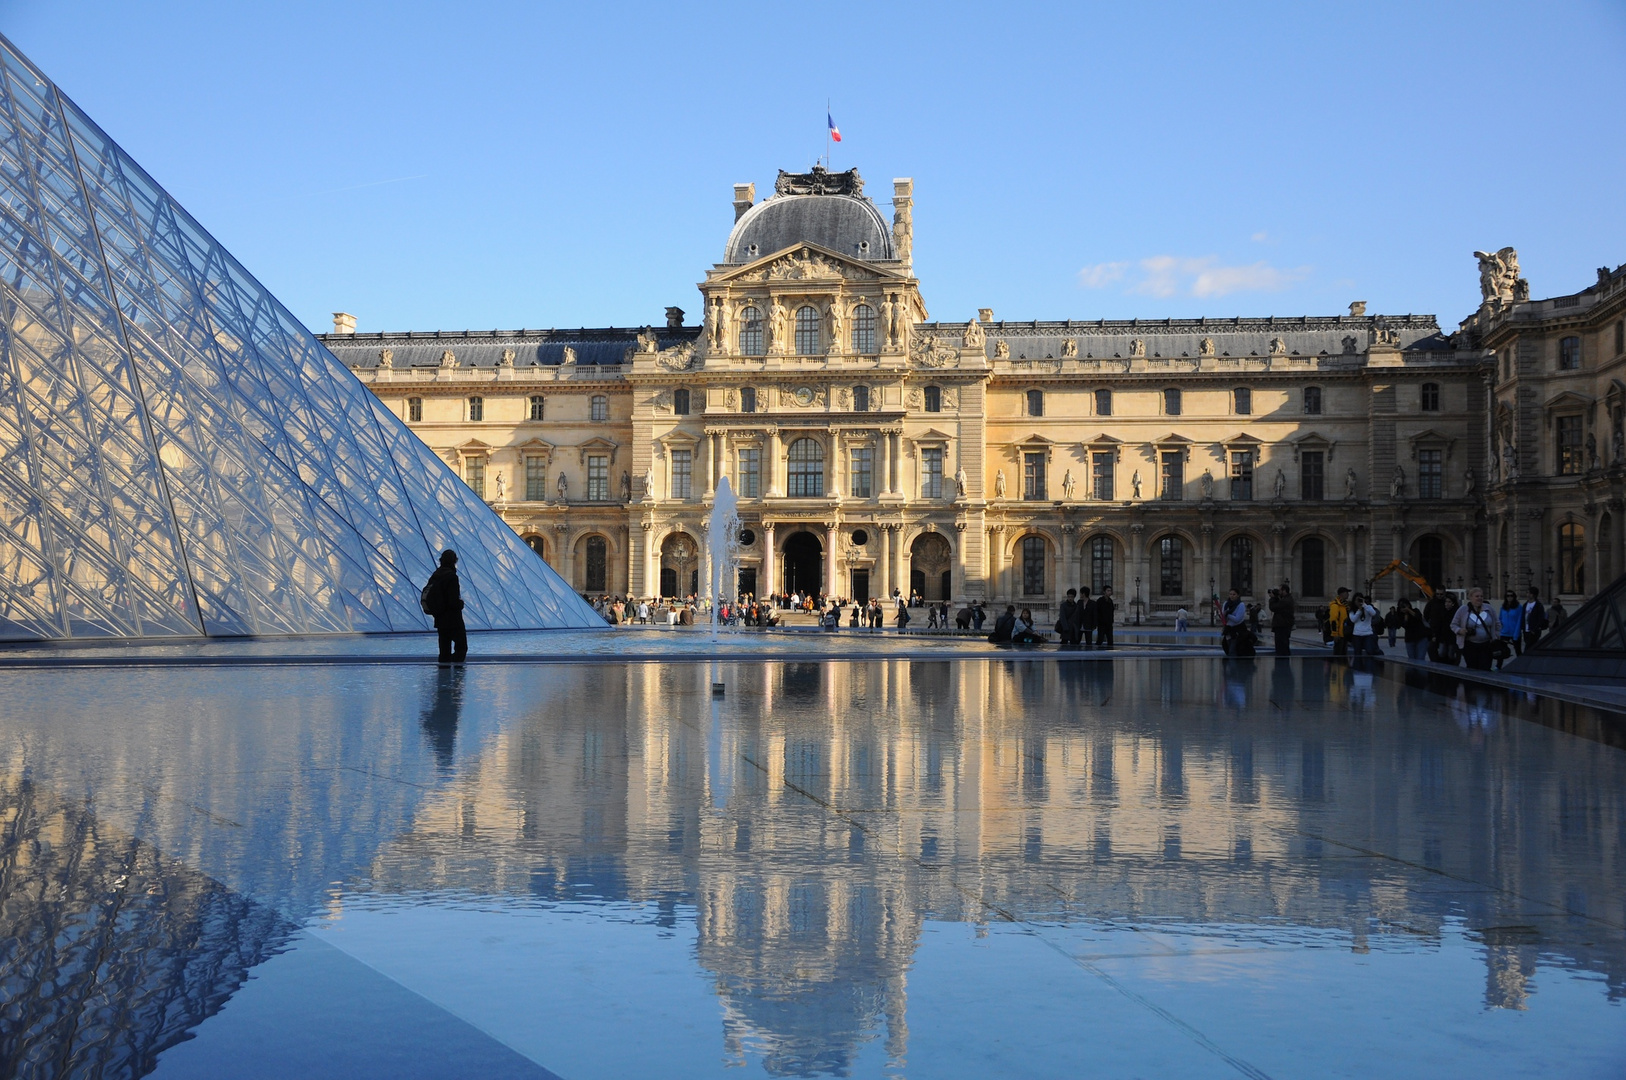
[(178, 455)]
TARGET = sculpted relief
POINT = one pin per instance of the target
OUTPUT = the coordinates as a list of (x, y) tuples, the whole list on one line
[(927, 351)]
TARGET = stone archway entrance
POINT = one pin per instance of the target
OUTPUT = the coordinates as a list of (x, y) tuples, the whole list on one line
[(931, 567), (680, 565), (804, 564)]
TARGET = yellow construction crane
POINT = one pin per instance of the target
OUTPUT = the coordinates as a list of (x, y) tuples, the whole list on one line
[(1404, 569)]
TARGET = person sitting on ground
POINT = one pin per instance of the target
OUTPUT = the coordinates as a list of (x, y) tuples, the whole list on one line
[(1004, 627), (1025, 634)]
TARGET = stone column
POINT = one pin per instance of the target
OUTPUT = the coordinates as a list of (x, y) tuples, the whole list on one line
[(710, 444), (996, 562), (883, 482), (770, 464), (884, 585), (1355, 583), (829, 558), (1206, 568), (1070, 576), (900, 565), (561, 533), (767, 585)]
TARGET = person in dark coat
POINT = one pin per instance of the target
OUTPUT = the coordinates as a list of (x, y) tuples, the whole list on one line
[(1004, 626), (1281, 619), (446, 605), (978, 616), (1067, 619), (1088, 615), (1104, 610)]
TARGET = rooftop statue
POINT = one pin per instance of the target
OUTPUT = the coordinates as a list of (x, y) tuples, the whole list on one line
[(1499, 275), (820, 181)]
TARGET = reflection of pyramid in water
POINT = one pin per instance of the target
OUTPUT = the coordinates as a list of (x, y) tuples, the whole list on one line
[(178, 455)]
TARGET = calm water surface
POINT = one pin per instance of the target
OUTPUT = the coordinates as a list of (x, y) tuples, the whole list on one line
[(965, 867)]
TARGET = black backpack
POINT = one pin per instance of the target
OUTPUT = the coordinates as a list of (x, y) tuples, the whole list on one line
[(430, 598)]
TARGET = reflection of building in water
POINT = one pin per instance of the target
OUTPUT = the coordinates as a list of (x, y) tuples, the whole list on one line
[(833, 808), (110, 952)]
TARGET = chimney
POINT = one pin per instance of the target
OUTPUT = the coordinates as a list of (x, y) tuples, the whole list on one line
[(985, 314), (744, 196), (903, 219), (344, 322), (674, 318), (1358, 308)]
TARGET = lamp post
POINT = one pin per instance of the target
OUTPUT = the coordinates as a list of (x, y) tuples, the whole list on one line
[(1213, 601), (1136, 604)]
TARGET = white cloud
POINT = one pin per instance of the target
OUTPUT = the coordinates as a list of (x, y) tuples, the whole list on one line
[(1260, 237), (1187, 275)]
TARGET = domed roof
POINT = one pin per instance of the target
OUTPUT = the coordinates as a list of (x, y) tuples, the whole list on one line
[(828, 209)]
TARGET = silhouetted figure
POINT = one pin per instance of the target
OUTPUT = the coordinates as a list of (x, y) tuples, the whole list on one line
[(443, 598), (1004, 626), (441, 716)]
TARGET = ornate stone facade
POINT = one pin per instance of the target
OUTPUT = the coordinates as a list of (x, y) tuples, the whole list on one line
[(1169, 458)]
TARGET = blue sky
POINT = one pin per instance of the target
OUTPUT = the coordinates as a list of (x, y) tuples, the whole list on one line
[(438, 166)]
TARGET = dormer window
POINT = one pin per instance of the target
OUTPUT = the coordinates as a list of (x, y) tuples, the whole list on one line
[(751, 250), (863, 247)]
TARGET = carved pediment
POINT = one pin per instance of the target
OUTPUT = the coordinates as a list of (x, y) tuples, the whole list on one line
[(805, 262), (1569, 399), (536, 448), (1173, 439), (932, 435), (473, 446), (1104, 439), (1242, 438), (597, 445)]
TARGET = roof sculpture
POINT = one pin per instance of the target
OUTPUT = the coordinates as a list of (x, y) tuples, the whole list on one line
[(179, 457)]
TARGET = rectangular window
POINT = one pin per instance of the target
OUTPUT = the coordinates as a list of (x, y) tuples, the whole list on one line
[(1312, 401), (1033, 479), (1431, 474), (1430, 397), (748, 399), (931, 463), (1171, 403), (477, 408), (750, 473), (598, 478), (1312, 567), (537, 406), (474, 473), (860, 399), (1569, 354), (1312, 476), (536, 478), (601, 407), (1171, 566), (1101, 474), (1103, 403), (1243, 398), (1241, 474), (934, 399), (863, 465), (1100, 564), (682, 473), (1569, 445), (680, 402), (1033, 566), (415, 408), (1174, 475)]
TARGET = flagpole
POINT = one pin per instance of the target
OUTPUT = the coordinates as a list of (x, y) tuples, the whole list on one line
[(827, 142)]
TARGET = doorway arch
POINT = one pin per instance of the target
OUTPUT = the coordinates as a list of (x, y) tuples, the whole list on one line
[(931, 567), (804, 564), (680, 565)]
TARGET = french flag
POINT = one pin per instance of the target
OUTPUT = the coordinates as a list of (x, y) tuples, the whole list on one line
[(835, 132)]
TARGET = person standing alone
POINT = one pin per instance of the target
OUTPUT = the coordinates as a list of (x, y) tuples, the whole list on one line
[(1281, 618), (443, 598)]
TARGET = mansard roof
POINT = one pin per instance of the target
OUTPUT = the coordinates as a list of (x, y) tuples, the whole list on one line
[(1235, 338), (820, 207), (485, 348)]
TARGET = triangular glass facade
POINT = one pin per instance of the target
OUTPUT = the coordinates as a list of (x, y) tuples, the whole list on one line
[(178, 455)]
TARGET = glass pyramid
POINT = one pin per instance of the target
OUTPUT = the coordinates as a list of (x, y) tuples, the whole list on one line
[(178, 455)]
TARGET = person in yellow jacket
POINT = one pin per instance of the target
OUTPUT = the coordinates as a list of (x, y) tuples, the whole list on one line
[(1337, 616)]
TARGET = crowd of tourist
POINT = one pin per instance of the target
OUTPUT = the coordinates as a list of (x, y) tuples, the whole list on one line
[(1444, 631)]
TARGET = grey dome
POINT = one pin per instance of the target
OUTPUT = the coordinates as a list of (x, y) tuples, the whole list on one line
[(847, 224)]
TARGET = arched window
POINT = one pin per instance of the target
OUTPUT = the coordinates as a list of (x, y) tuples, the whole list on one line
[(680, 402), (1313, 567), (1035, 402), (1312, 401), (415, 408), (1569, 359), (1101, 553), (806, 472), (538, 545), (1430, 398), (598, 563), (807, 331), (1103, 403), (1242, 399), (751, 331), (477, 408), (537, 406), (863, 329), (1032, 566), (1171, 566), (1431, 560), (1242, 565), (601, 407), (934, 399), (1171, 402), (1572, 557), (860, 399), (748, 399)]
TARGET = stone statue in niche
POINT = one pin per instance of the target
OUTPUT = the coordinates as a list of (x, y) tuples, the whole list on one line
[(899, 332), (1591, 451), (649, 482), (778, 327), (1069, 349), (1350, 481), (886, 322), (502, 489), (833, 327), (1469, 482), (999, 484), (1510, 460), (1134, 483), (974, 338), (960, 482), (1002, 350), (1206, 482), (1397, 483), (564, 487), (386, 358), (1281, 484), (1068, 485), (626, 486)]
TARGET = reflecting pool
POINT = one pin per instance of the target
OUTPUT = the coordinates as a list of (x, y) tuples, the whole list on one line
[(931, 867)]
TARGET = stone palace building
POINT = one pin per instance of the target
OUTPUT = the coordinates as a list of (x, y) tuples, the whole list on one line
[(873, 449)]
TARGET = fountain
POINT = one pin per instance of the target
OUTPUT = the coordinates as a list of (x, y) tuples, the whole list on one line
[(722, 549)]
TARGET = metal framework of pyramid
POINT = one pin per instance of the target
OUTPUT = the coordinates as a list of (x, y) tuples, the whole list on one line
[(179, 457), (1588, 647)]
